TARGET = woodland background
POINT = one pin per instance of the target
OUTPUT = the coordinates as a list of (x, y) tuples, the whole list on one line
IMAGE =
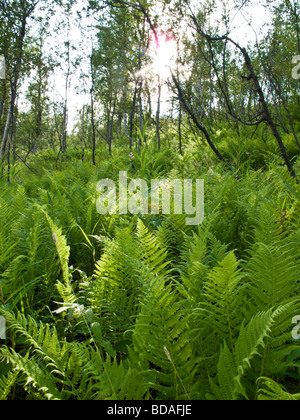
[(145, 307)]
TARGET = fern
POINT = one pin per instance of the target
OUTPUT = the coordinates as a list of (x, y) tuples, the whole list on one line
[(273, 272), (223, 304), (7, 383), (201, 252), (40, 364), (157, 310), (257, 342), (114, 290), (104, 379), (171, 236), (271, 391), (162, 340), (33, 378), (48, 369), (273, 267), (218, 315), (151, 253), (38, 337), (63, 251)]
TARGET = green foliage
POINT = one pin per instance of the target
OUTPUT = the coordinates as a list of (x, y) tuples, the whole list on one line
[(118, 307), (272, 391), (114, 307)]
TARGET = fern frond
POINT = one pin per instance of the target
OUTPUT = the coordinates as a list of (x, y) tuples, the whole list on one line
[(223, 305), (63, 252), (151, 253), (31, 375), (279, 343), (6, 384), (270, 390), (39, 339), (114, 290), (256, 345), (162, 340), (233, 365), (171, 236), (202, 252), (273, 272), (103, 378)]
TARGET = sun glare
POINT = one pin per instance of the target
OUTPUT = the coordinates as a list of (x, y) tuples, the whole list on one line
[(163, 52), (163, 55)]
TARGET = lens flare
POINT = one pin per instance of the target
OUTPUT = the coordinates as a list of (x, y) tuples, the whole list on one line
[(163, 53)]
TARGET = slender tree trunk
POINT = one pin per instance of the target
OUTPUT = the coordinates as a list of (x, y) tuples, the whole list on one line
[(39, 111), (93, 107), (110, 127), (8, 161), (82, 137), (197, 122), (65, 119), (140, 79), (9, 150), (131, 120), (93, 129), (125, 124), (64, 131), (179, 127), (141, 114), (267, 117), (58, 131), (14, 85), (2, 101), (267, 113), (158, 115), (7, 127), (64, 128)]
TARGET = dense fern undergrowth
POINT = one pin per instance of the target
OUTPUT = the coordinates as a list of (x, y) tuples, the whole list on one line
[(145, 307)]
